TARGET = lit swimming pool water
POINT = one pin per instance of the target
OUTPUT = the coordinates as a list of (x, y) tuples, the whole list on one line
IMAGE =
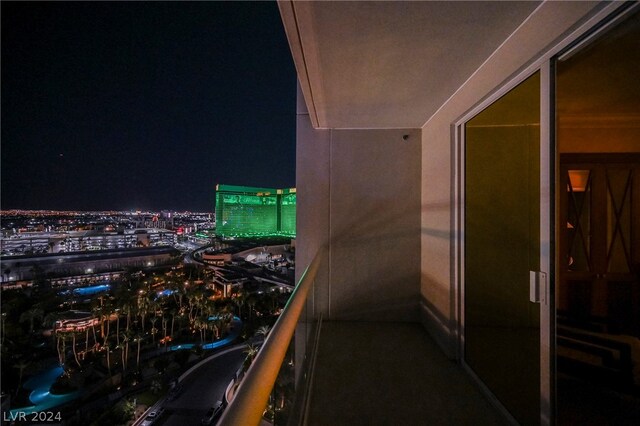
[(165, 293), (236, 326), (40, 396), (87, 291)]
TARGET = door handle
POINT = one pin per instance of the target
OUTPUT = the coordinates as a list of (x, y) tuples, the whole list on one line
[(537, 287)]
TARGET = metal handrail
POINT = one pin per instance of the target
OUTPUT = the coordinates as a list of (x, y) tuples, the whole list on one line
[(252, 395)]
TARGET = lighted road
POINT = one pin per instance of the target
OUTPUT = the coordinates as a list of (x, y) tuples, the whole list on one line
[(201, 389)]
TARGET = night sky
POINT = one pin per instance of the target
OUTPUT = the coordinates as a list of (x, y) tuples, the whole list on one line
[(128, 105)]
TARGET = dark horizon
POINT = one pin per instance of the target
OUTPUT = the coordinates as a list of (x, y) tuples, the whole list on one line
[(143, 106)]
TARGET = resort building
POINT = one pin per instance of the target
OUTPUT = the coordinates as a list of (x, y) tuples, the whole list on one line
[(72, 241), (79, 267), (244, 211)]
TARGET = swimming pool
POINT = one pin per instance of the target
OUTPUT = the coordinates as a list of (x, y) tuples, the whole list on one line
[(40, 397), (165, 293), (236, 326), (87, 291)]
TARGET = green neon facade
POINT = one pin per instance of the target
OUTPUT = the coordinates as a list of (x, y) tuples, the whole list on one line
[(244, 211)]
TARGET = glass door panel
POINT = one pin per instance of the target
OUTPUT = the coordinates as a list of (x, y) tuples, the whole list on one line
[(501, 246), (598, 287)]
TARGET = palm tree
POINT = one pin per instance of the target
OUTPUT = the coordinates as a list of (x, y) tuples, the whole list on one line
[(2, 329), (263, 331), (165, 323), (205, 326), (117, 312), (93, 330), (226, 320), (143, 308), (138, 338), (129, 408), (195, 299), (215, 329), (173, 312), (251, 351), (20, 365), (107, 311), (75, 352), (191, 303), (50, 319), (239, 299), (126, 338), (273, 299), (156, 386), (127, 306), (199, 324), (86, 340), (97, 312), (107, 348), (31, 315), (120, 346), (251, 302), (62, 349), (177, 289), (154, 330)]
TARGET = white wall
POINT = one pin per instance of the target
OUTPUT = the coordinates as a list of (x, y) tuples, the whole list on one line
[(359, 191)]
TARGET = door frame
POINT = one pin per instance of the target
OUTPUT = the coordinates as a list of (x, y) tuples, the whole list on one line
[(606, 17), (546, 242)]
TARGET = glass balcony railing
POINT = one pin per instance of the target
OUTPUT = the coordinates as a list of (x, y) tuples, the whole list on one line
[(275, 388)]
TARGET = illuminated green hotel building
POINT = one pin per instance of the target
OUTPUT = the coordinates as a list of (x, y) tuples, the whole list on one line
[(244, 211)]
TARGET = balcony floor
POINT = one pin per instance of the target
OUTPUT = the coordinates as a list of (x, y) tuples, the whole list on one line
[(379, 373)]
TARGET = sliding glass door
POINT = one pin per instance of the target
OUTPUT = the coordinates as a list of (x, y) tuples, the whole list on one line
[(598, 286), (501, 246), (549, 232)]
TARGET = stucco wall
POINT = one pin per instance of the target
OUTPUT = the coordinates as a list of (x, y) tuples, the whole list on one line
[(375, 220), (312, 201), (359, 192)]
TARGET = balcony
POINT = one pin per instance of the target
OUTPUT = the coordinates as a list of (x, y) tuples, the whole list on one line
[(390, 373), (350, 372)]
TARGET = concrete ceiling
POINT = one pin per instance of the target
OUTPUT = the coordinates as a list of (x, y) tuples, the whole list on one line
[(391, 64)]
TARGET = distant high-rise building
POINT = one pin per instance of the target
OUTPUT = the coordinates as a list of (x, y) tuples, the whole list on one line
[(243, 211), (287, 205), (167, 217)]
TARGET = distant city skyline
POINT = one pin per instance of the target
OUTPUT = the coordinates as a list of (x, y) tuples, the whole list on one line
[(143, 106)]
